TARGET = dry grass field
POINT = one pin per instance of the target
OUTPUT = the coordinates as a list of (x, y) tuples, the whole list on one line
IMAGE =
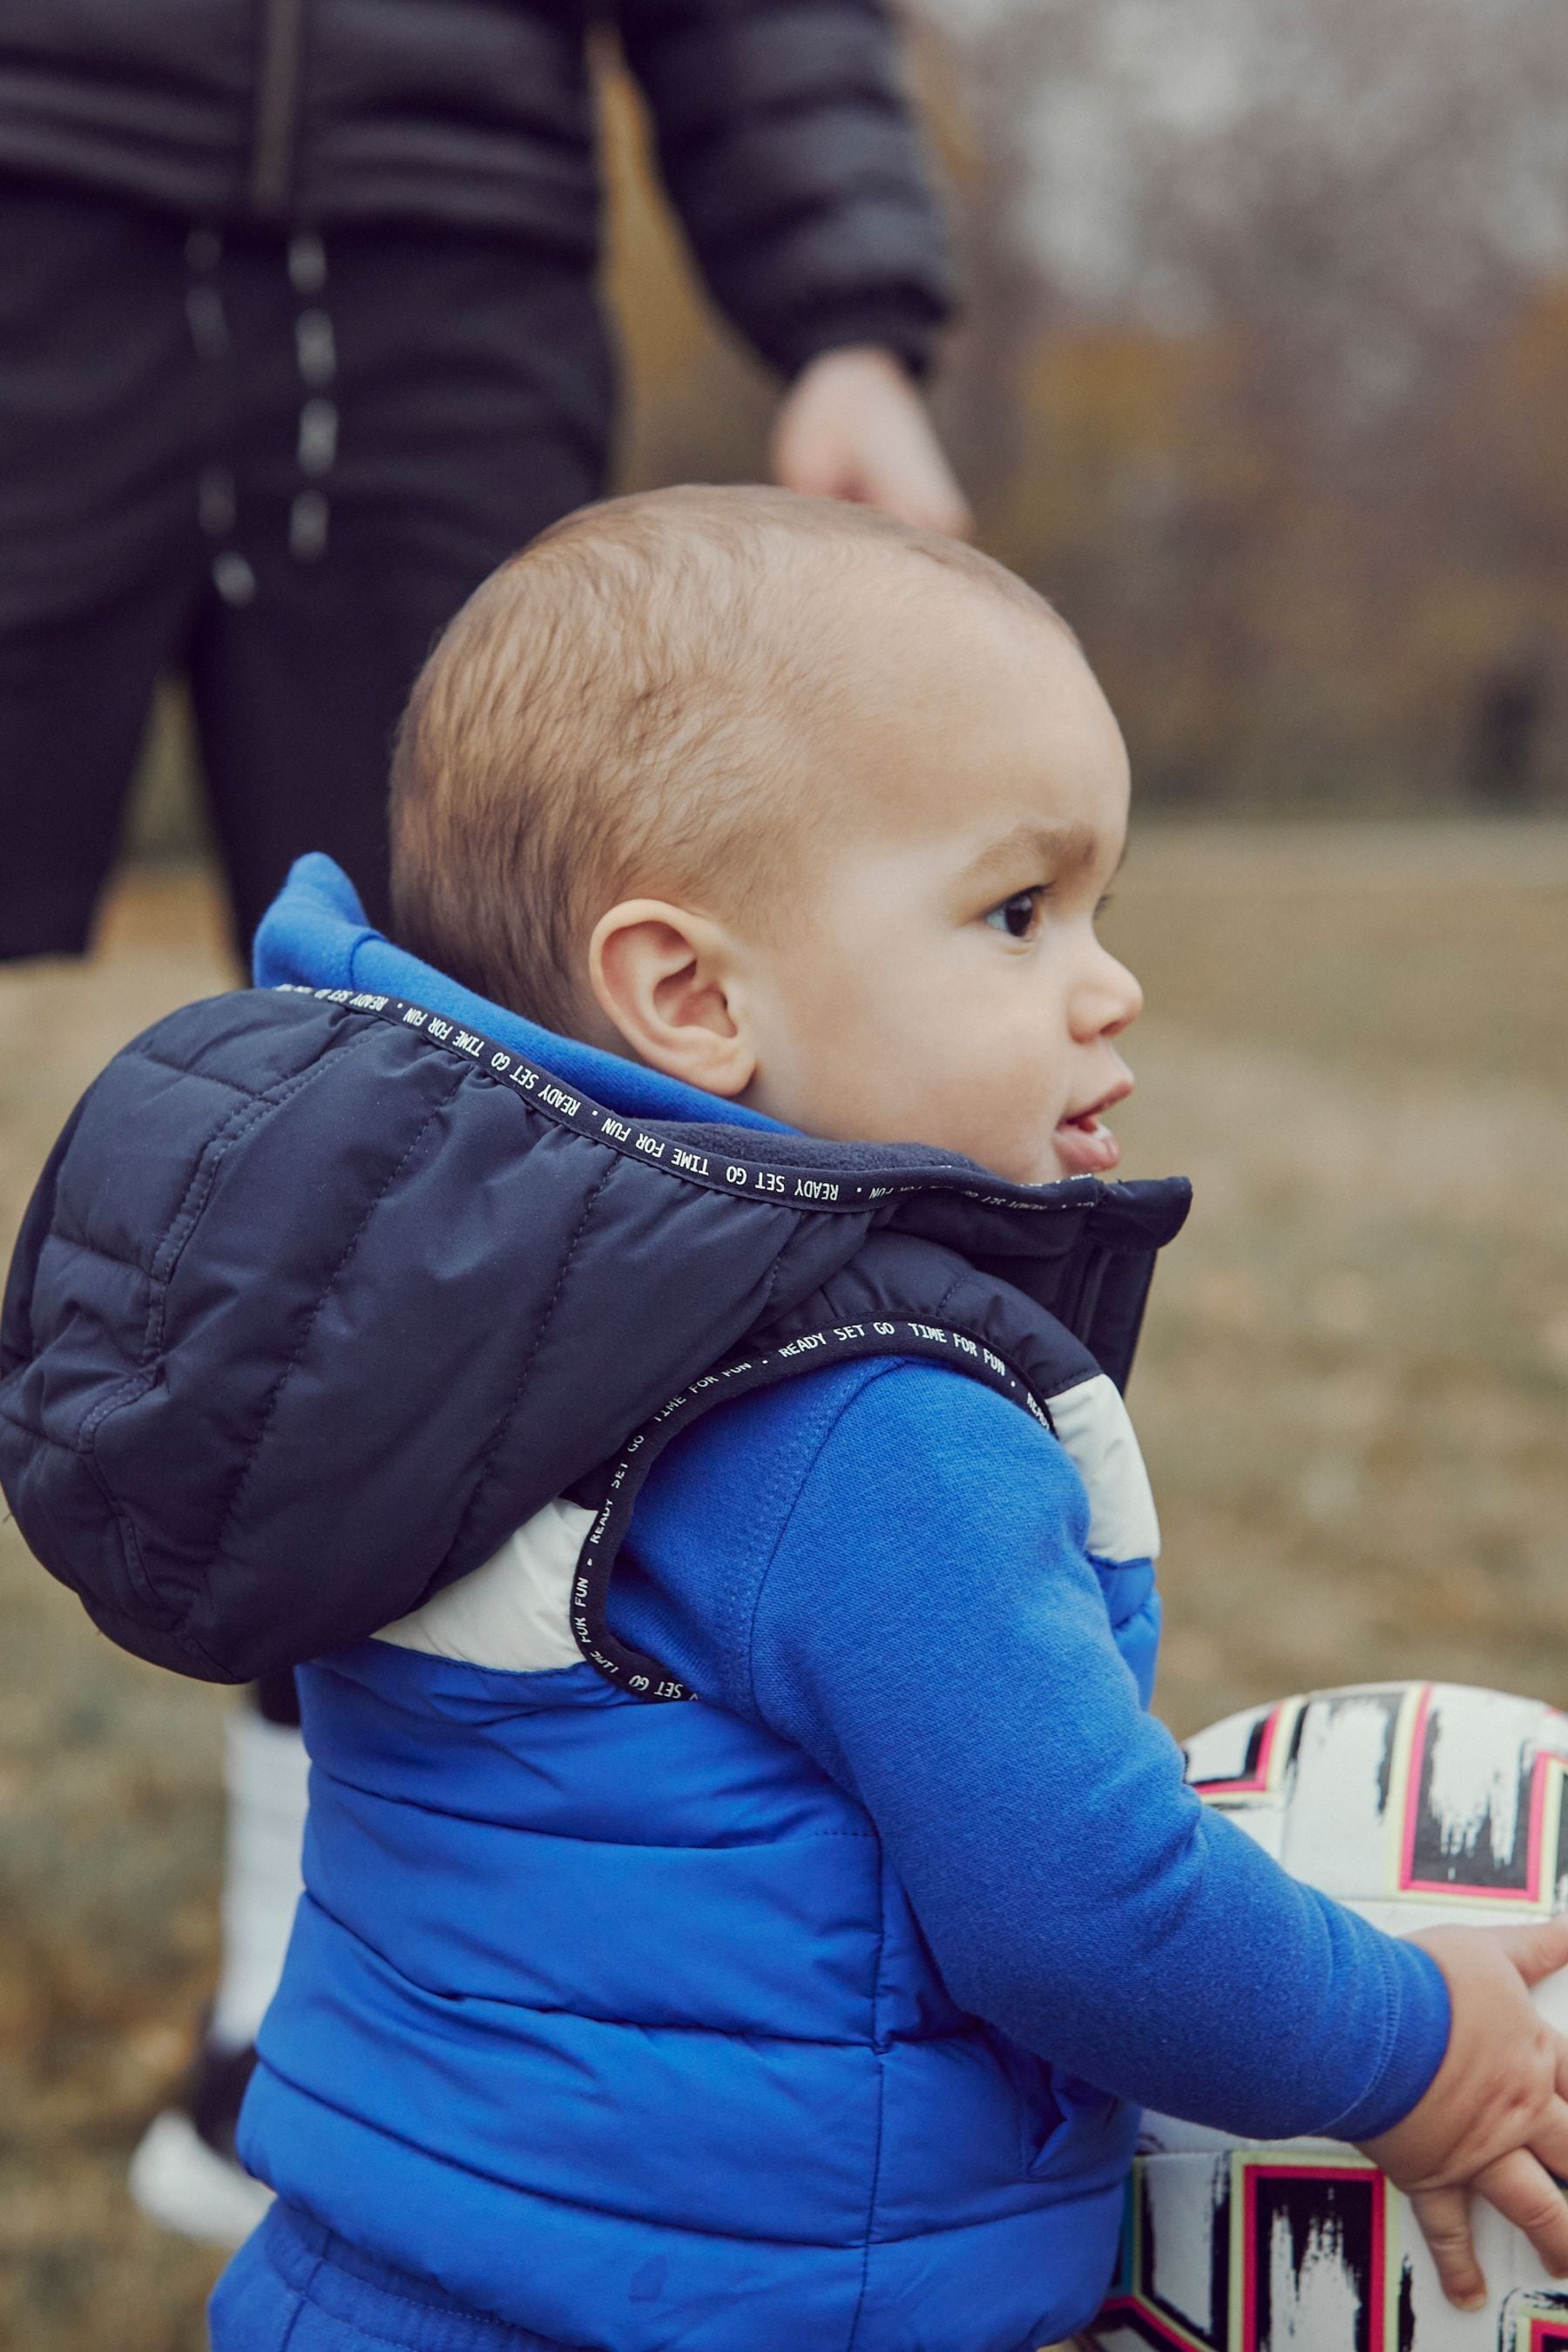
[(1353, 1396)]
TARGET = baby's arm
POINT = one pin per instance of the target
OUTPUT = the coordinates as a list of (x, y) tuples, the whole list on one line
[(905, 1592)]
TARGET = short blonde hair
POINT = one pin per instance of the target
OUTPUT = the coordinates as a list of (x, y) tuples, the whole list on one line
[(628, 707)]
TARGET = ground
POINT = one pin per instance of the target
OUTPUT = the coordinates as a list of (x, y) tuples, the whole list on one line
[(1351, 1396)]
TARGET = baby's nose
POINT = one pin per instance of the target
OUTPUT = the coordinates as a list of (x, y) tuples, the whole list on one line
[(1109, 998)]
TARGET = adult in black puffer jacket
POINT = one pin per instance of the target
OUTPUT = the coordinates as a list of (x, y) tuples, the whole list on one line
[(300, 339)]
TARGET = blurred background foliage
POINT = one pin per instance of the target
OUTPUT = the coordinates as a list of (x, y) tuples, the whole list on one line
[(1263, 374)]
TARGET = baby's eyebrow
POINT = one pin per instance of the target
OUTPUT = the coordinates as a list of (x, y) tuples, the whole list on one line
[(1059, 844)]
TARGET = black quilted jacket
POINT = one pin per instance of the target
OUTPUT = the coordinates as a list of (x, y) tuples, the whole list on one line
[(782, 134)]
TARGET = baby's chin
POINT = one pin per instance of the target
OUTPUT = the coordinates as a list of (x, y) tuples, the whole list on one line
[(1079, 1147), (1067, 1152), (1083, 1147)]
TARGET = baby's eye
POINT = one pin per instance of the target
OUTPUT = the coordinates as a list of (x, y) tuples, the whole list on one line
[(1017, 915)]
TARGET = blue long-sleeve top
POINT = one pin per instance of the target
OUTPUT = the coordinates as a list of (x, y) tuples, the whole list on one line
[(888, 1564)]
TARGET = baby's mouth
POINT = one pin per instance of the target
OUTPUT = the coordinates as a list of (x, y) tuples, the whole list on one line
[(1084, 1145)]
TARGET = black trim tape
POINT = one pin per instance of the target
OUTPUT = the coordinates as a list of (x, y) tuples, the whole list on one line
[(591, 1582), (750, 1177)]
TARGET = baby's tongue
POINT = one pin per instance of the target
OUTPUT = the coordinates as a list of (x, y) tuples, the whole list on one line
[(1085, 1146)]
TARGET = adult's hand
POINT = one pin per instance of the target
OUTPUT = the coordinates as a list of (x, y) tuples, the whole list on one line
[(853, 427)]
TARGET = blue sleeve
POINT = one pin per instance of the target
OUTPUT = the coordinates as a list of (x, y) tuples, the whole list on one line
[(888, 1565)]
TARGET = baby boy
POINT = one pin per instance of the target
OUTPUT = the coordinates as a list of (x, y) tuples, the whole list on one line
[(749, 856)]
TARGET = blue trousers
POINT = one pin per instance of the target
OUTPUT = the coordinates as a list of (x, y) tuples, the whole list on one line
[(295, 2287)]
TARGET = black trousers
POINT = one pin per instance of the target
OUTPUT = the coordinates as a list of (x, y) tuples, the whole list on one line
[(278, 464)]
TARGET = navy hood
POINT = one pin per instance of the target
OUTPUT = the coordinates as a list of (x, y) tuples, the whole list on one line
[(330, 1284)]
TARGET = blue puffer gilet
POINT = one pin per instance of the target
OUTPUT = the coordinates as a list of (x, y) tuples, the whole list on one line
[(607, 2016), (615, 2009)]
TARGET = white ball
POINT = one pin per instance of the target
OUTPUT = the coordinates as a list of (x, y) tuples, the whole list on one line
[(1415, 1804)]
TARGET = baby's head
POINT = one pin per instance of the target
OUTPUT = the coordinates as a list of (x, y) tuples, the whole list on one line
[(786, 800)]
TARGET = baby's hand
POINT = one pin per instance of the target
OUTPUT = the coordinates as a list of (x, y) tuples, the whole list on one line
[(1494, 2118)]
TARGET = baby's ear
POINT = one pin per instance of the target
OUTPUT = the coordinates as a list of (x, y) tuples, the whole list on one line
[(665, 980)]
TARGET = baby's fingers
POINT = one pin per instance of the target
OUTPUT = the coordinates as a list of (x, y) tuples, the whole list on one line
[(1549, 2138), (1445, 2218), (1525, 2193), (1537, 1951)]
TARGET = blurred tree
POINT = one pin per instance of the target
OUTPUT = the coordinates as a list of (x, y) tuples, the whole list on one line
[(1265, 381)]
